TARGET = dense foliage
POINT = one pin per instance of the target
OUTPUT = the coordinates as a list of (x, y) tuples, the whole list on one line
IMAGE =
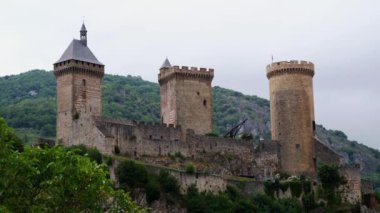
[(232, 201), (331, 180), (137, 179), (54, 179), (27, 101)]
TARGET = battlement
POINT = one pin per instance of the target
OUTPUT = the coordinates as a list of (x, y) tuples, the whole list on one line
[(77, 66), (155, 125), (167, 73), (114, 120), (293, 66)]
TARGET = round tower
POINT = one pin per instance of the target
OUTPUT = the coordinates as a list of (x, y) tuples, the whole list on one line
[(292, 114)]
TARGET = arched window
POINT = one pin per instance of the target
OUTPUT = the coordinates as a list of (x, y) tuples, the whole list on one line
[(204, 102)]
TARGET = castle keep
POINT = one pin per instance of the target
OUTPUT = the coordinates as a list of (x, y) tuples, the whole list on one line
[(186, 118), (186, 98), (79, 75)]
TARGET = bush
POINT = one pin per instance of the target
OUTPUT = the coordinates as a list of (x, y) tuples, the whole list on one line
[(283, 175), (377, 196), (296, 188), (131, 174), (94, 155), (247, 136), (330, 177), (169, 183), (9, 138), (211, 134), (108, 160), (179, 155), (56, 178), (190, 168), (152, 190), (91, 153), (308, 201)]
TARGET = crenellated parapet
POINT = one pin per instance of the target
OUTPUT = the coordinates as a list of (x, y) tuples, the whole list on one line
[(114, 120), (287, 67), (76, 66), (161, 126), (185, 72)]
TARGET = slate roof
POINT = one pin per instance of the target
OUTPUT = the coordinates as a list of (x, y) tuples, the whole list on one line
[(166, 64), (78, 51)]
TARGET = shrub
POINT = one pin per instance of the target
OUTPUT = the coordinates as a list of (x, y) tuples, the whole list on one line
[(169, 183), (91, 153), (308, 201), (171, 156), (291, 205), (284, 186), (190, 168), (330, 177), (306, 186), (94, 155), (152, 190), (377, 196), (296, 188), (271, 187), (108, 160), (247, 136), (79, 149), (211, 134), (131, 174), (179, 155), (283, 175)]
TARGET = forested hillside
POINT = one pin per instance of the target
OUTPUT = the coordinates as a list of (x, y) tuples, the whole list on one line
[(27, 102)]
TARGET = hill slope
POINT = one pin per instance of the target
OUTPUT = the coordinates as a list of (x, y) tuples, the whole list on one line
[(27, 102)]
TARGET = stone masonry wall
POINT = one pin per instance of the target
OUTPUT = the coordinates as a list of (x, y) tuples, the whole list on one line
[(351, 191), (267, 161), (326, 155), (64, 108), (78, 93), (227, 156)]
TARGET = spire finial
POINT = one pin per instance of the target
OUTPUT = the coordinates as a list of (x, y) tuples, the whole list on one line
[(166, 63), (83, 34)]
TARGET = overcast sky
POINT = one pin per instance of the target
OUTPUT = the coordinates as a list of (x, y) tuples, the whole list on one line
[(237, 38)]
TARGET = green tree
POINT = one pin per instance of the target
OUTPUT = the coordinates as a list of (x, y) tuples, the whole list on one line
[(331, 180), (131, 175), (55, 179), (8, 138)]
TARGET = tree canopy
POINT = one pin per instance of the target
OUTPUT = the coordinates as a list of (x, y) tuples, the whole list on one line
[(54, 180)]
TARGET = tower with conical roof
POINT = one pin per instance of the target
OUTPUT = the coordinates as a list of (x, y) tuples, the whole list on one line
[(79, 74), (186, 98)]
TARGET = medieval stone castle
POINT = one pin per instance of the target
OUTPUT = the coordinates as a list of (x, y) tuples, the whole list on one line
[(186, 117)]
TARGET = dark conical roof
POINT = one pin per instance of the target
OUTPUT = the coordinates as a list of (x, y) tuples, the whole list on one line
[(83, 28), (166, 64), (78, 51)]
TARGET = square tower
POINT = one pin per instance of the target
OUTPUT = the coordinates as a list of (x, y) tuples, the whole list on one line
[(186, 97), (79, 75)]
